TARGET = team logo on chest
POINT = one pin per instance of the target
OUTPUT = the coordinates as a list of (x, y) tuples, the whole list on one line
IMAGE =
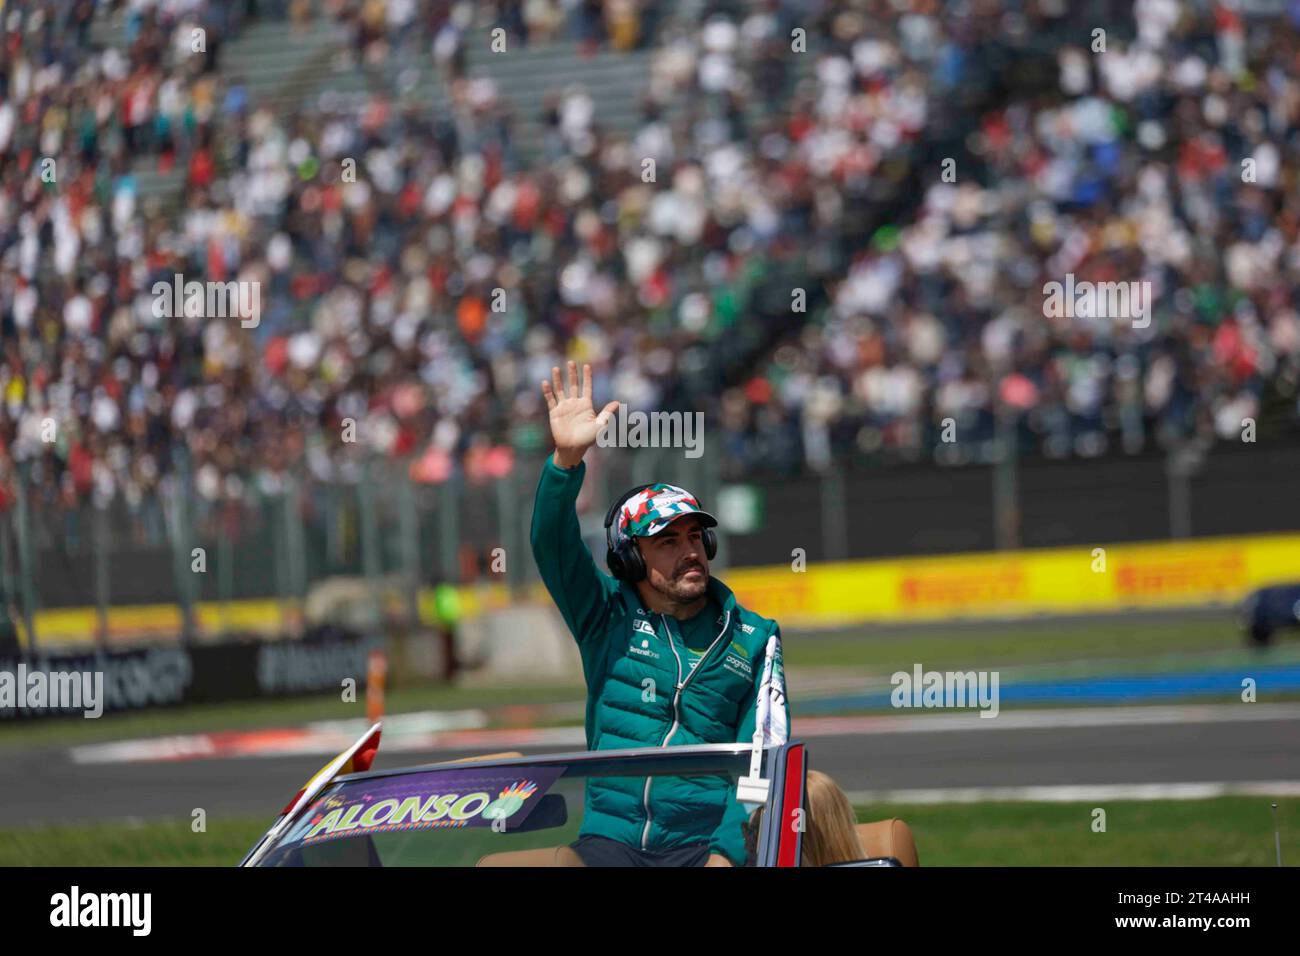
[(642, 632), (737, 664)]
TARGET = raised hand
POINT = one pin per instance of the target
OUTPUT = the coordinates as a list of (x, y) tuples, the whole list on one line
[(574, 422)]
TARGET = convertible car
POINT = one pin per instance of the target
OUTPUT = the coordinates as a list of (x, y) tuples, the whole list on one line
[(510, 810)]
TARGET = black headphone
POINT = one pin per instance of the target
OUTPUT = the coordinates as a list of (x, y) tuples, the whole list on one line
[(623, 557)]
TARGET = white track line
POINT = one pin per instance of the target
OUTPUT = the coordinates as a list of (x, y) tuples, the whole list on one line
[(919, 722), (203, 746), (319, 740), (1075, 793)]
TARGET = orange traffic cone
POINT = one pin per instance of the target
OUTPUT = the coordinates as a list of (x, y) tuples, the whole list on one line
[(376, 676)]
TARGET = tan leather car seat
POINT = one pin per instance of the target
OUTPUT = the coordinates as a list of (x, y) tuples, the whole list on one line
[(545, 856), (881, 838), (888, 838)]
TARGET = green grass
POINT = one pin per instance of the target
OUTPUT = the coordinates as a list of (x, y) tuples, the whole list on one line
[(170, 843), (1224, 831), (1126, 639)]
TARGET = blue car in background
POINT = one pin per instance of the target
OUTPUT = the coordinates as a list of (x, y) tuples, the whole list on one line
[(1271, 609)]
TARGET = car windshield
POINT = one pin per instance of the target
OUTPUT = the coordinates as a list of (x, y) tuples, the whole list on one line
[(460, 814)]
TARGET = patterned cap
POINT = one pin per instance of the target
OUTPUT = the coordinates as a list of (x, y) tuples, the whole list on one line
[(652, 509)]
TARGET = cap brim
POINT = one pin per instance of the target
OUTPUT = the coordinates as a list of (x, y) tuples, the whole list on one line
[(706, 520)]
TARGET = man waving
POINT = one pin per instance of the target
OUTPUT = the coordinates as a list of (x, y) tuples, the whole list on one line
[(669, 657)]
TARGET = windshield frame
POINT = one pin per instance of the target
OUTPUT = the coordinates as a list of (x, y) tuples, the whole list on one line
[(731, 759)]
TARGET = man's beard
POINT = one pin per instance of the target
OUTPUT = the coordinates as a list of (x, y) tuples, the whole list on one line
[(681, 590)]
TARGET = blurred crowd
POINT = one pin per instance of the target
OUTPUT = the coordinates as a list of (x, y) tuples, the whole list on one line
[(422, 269), (1170, 160)]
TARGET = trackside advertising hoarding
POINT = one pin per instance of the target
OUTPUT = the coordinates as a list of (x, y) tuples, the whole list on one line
[(211, 672), (1075, 580)]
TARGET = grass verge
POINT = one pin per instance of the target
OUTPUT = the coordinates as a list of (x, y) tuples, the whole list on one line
[(1122, 639), (1224, 831)]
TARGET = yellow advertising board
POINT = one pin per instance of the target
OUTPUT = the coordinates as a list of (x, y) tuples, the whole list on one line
[(1007, 584), (1073, 580)]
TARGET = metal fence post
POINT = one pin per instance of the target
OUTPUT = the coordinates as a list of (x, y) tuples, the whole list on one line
[(274, 523), (334, 519), (449, 530), (410, 542), (6, 564), (296, 547), (1182, 462), (507, 519), (180, 541), (835, 518), (644, 463), (1006, 485), (523, 526), (711, 488), (7, 587), (225, 571), (370, 559), (100, 537), (25, 571)]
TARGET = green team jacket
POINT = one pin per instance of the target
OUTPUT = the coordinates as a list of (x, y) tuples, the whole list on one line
[(736, 683)]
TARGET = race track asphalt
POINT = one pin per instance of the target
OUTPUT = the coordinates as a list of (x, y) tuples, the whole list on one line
[(45, 786)]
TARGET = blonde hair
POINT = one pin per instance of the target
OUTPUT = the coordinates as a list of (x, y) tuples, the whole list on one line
[(831, 835)]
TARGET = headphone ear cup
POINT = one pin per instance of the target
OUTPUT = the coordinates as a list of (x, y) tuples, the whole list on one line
[(614, 563), (710, 543), (633, 562)]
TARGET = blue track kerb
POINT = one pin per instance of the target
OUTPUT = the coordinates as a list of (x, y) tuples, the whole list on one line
[(1112, 689)]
